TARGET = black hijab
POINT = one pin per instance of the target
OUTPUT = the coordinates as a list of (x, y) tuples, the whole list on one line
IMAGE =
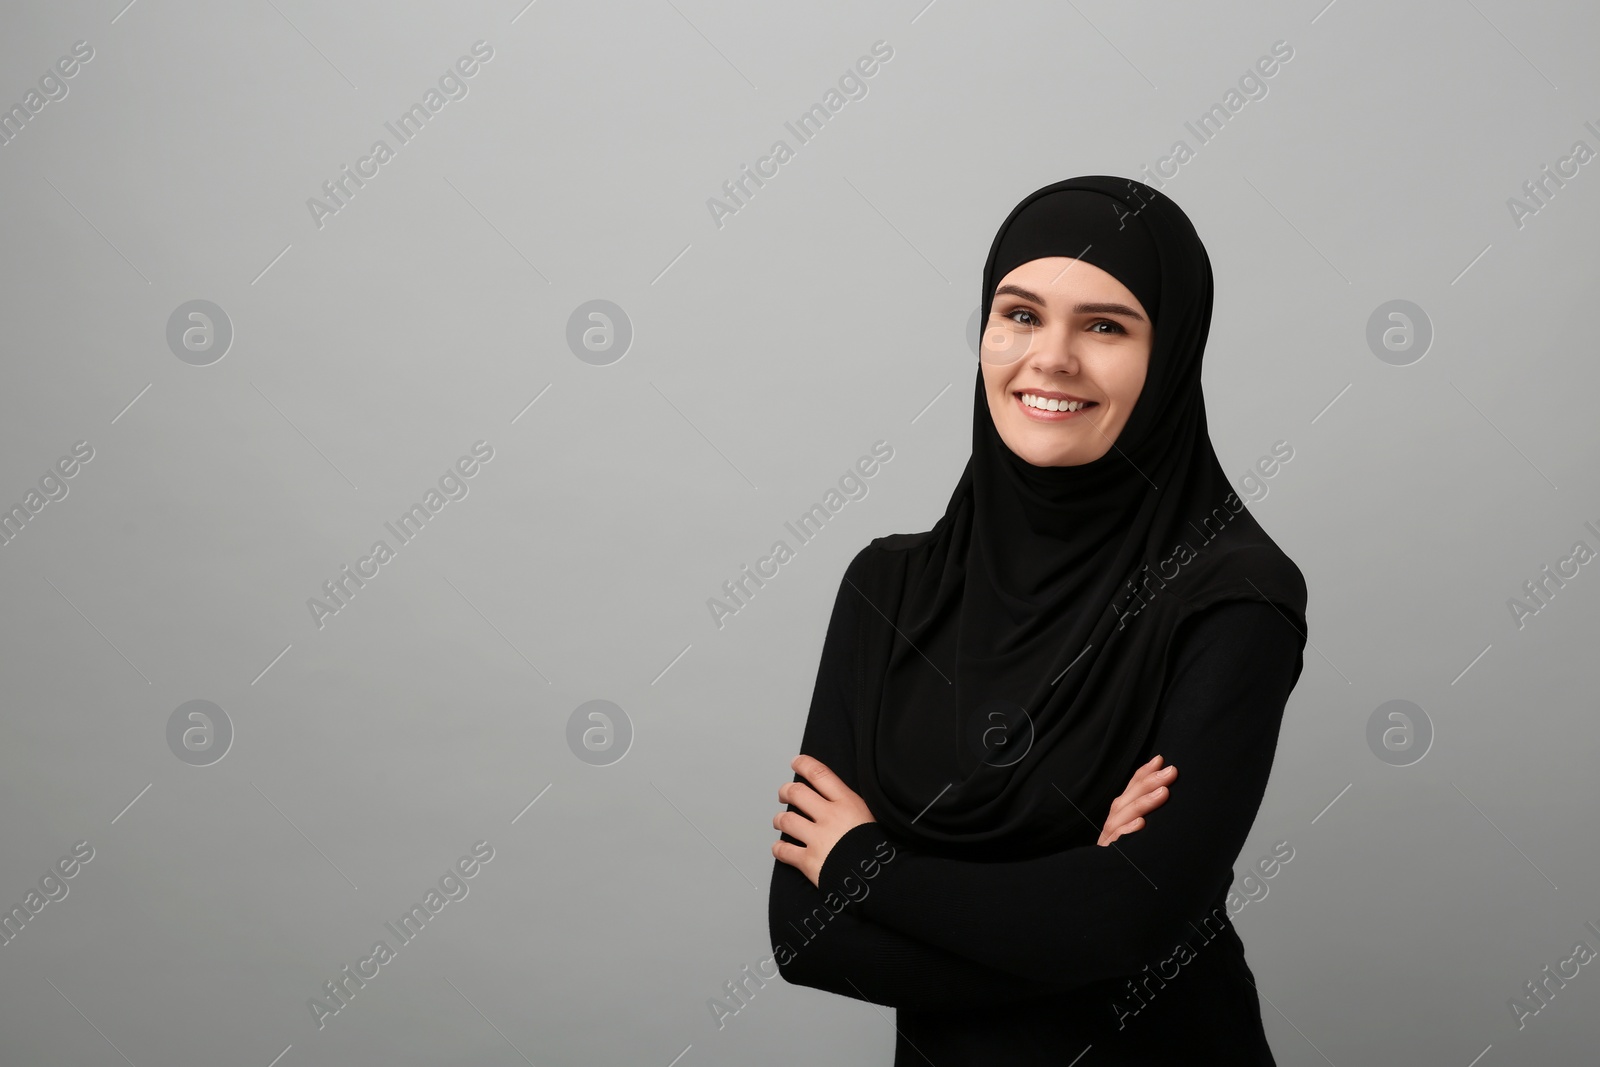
[(1018, 686)]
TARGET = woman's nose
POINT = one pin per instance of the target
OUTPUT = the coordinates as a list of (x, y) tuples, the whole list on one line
[(1052, 352)]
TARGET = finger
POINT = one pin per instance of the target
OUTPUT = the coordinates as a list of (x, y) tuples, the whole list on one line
[(1145, 783), (1148, 780), (803, 797), (1148, 777), (795, 825), (784, 852), (1134, 803), (1129, 827), (821, 777), (1145, 804)]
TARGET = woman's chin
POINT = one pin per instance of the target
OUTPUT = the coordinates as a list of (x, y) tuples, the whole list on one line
[(1047, 456)]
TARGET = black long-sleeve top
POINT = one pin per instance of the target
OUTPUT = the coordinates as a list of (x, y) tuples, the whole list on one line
[(1118, 952)]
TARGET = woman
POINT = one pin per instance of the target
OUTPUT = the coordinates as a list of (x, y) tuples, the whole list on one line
[(1095, 602)]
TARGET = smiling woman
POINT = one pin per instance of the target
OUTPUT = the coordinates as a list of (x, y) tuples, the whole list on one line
[(1059, 320), (991, 711)]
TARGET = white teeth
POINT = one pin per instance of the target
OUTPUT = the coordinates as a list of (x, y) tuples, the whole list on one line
[(1052, 404)]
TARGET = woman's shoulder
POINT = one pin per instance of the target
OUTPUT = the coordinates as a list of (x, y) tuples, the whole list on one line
[(1248, 569), (887, 549)]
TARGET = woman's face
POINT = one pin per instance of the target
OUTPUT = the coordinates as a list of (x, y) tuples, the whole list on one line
[(1063, 329)]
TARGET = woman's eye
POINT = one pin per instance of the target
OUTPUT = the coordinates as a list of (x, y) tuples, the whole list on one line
[(1022, 311), (1116, 326)]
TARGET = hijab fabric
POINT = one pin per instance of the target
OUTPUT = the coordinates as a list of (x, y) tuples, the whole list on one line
[(1019, 684)]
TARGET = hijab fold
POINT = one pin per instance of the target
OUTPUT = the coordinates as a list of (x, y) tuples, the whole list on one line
[(1019, 684)]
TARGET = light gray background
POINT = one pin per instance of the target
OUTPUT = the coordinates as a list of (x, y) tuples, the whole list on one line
[(768, 355)]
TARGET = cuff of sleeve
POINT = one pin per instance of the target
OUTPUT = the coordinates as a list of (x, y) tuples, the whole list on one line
[(853, 860)]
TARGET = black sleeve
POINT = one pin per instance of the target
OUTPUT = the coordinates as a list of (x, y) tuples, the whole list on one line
[(820, 939), (1099, 912)]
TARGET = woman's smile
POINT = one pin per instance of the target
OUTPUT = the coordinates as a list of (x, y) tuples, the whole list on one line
[(1045, 405), (1067, 343)]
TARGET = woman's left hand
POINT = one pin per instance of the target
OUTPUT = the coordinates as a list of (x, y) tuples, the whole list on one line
[(830, 809)]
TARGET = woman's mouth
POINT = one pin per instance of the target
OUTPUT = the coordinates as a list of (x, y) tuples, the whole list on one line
[(1050, 409)]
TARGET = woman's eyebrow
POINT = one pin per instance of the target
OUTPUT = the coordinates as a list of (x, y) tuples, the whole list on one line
[(1078, 309)]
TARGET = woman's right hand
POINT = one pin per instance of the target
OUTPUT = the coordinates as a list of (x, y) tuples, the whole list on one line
[(1147, 790)]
